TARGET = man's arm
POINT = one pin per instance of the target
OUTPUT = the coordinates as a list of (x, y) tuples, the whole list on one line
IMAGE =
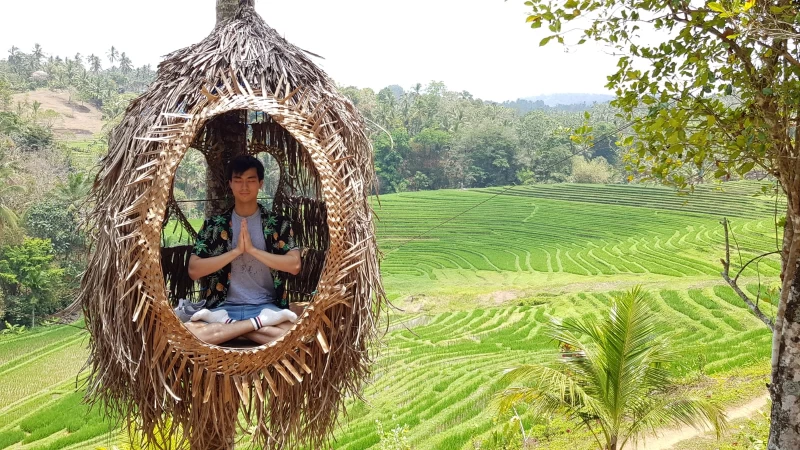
[(200, 267), (290, 262)]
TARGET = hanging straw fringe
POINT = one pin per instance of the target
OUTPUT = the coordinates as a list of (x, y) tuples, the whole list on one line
[(145, 365)]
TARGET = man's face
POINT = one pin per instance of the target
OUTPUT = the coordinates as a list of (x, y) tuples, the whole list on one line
[(245, 185)]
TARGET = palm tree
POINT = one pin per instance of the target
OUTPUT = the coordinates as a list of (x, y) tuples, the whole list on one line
[(37, 54), (113, 55), (125, 63), (13, 55), (95, 65), (611, 378), (8, 218), (75, 189)]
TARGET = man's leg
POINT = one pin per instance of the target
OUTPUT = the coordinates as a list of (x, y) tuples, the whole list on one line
[(269, 334), (217, 333)]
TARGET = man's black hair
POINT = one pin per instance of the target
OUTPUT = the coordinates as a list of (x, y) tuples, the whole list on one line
[(242, 164)]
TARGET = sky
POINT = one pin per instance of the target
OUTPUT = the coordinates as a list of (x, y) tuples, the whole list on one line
[(481, 46)]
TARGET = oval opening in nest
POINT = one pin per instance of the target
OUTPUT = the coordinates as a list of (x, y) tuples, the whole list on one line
[(298, 196)]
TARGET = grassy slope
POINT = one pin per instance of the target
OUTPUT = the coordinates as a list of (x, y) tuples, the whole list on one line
[(555, 236), (475, 294), (40, 398)]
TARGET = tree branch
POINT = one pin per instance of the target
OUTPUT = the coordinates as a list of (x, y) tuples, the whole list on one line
[(726, 264), (736, 278), (734, 47)]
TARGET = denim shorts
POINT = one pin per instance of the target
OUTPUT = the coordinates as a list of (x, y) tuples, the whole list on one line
[(244, 312)]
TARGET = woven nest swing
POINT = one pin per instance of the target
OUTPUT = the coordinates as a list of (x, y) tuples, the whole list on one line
[(242, 90)]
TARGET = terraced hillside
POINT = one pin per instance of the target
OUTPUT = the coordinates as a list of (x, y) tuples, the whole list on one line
[(40, 402), (545, 235), (438, 373), (477, 274)]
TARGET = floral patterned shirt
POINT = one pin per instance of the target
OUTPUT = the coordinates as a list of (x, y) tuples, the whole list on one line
[(214, 239)]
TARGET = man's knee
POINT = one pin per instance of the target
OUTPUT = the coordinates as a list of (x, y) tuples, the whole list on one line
[(195, 327), (207, 332)]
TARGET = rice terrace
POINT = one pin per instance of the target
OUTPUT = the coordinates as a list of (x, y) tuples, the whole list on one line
[(448, 225), (562, 250)]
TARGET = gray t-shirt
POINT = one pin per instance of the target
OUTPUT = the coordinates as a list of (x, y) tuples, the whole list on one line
[(251, 281)]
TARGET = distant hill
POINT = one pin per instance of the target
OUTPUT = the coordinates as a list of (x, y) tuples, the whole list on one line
[(561, 102), (570, 99)]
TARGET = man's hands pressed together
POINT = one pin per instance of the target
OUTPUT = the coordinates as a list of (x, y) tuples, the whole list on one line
[(289, 262), (244, 243), (244, 238)]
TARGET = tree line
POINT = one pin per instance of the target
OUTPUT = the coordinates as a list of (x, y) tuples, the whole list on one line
[(428, 137), (109, 88), (43, 187)]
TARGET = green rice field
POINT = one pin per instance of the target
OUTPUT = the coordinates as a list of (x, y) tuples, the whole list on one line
[(41, 393), (474, 275)]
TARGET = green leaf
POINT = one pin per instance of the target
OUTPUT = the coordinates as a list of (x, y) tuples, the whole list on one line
[(747, 167), (767, 91), (716, 6), (544, 41)]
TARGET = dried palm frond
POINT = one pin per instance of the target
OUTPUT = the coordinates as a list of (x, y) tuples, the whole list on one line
[(145, 365)]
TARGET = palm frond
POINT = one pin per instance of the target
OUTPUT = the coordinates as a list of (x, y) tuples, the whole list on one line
[(615, 371), (8, 218), (659, 412), (547, 389)]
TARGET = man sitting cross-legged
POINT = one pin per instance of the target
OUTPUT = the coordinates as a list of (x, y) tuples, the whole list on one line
[(242, 254)]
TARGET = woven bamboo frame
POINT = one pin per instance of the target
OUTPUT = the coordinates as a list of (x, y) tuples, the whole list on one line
[(146, 366), (329, 292)]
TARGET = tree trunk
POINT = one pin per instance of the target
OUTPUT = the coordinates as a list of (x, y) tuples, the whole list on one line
[(785, 386), (224, 441), (226, 138), (226, 9)]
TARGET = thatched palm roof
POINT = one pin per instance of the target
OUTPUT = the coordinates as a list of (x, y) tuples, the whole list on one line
[(145, 366)]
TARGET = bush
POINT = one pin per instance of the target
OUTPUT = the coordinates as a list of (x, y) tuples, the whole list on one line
[(24, 133), (595, 171), (31, 282), (34, 137), (57, 221)]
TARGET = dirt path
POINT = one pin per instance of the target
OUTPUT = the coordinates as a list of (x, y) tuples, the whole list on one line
[(669, 438)]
